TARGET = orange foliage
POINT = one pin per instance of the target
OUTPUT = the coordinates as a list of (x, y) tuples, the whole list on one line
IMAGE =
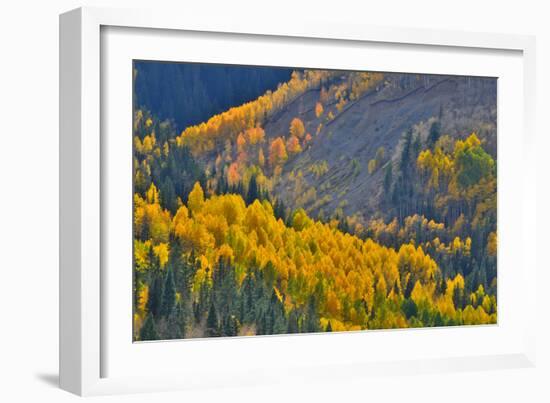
[(233, 176), (297, 128), (293, 145), (277, 152)]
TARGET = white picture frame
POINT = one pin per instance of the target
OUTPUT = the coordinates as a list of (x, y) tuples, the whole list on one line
[(83, 307)]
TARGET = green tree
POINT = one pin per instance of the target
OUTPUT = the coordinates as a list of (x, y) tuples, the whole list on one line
[(435, 133), (169, 294), (155, 296), (212, 327), (149, 331), (253, 192), (312, 317), (293, 326), (409, 308), (168, 198), (458, 297), (176, 323), (472, 164)]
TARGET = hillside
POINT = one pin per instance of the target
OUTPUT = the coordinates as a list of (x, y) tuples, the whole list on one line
[(190, 93), (336, 201), (345, 138), (379, 118)]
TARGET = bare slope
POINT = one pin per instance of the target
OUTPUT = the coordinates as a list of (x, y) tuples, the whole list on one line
[(379, 118)]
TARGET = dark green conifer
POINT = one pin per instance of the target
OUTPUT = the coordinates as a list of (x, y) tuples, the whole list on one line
[(168, 294), (149, 331), (212, 327)]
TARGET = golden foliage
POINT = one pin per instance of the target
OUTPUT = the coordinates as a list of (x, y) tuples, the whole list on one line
[(277, 152), (261, 158), (492, 244), (227, 125), (351, 269), (297, 128), (293, 145), (196, 199), (318, 109), (233, 176)]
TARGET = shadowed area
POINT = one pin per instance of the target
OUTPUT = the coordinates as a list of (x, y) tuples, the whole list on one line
[(50, 379)]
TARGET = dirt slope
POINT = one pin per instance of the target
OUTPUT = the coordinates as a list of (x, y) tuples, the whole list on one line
[(377, 119)]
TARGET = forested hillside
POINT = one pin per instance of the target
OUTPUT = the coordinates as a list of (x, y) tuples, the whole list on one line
[(337, 201), (190, 93)]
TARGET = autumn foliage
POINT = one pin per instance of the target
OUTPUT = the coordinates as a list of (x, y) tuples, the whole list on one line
[(358, 284), (218, 252)]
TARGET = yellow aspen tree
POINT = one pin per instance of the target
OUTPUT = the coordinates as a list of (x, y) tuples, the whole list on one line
[(261, 158), (196, 199)]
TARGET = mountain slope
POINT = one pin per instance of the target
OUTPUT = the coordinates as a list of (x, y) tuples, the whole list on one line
[(189, 93), (378, 119)]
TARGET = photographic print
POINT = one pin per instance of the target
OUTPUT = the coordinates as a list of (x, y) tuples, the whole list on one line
[(284, 200)]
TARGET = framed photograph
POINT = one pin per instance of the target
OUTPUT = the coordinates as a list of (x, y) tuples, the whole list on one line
[(241, 202)]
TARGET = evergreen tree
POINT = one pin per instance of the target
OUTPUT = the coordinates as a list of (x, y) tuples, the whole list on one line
[(176, 323), (329, 327), (435, 133), (149, 331), (155, 296), (253, 192), (312, 317), (212, 327), (279, 210), (409, 308), (415, 150), (442, 287), (248, 299), (168, 198), (406, 152), (438, 320), (293, 326), (458, 297), (409, 288), (169, 294)]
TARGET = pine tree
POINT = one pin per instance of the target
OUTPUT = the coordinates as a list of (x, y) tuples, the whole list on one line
[(149, 331), (458, 297), (155, 296), (406, 152), (248, 298), (279, 210), (231, 326), (442, 287), (329, 327), (212, 327), (292, 326), (435, 133), (176, 323), (438, 320), (168, 198), (409, 288), (253, 193), (409, 308), (169, 294), (312, 318)]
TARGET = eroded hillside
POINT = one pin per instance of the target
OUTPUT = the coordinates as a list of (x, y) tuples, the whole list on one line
[(332, 170)]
